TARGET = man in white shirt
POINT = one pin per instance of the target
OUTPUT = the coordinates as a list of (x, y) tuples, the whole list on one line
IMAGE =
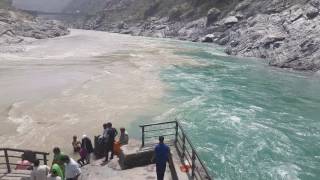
[(72, 168), (39, 172)]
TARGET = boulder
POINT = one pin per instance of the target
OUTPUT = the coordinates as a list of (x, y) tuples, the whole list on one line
[(122, 25), (175, 14), (311, 12), (295, 13), (269, 39), (309, 46), (243, 5), (208, 38), (231, 20), (315, 3), (213, 15), (234, 43)]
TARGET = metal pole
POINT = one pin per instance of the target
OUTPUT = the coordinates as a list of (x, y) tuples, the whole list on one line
[(142, 136), (7, 161), (193, 163), (183, 145), (177, 128), (45, 159)]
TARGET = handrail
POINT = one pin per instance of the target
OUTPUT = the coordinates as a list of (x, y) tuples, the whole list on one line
[(192, 147), (152, 124), (7, 156), (21, 150), (192, 154)]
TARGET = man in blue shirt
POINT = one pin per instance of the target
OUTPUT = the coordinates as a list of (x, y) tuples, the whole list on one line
[(161, 155)]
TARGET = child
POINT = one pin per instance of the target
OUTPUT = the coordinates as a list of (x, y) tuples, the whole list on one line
[(76, 144)]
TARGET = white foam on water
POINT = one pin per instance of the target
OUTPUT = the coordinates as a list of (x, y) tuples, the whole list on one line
[(71, 119), (67, 92), (235, 119), (136, 55), (256, 108), (23, 121), (287, 171)]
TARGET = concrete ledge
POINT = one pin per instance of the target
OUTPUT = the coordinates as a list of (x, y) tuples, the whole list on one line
[(131, 157)]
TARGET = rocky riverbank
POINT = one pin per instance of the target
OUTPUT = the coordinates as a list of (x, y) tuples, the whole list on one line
[(17, 27), (286, 33)]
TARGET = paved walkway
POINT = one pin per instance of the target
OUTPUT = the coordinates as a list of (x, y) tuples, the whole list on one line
[(98, 170), (14, 175)]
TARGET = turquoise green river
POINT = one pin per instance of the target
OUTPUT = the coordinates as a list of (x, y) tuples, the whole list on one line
[(247, 120)]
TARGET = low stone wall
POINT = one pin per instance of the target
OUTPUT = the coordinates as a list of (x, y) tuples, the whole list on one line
[(131, 157)]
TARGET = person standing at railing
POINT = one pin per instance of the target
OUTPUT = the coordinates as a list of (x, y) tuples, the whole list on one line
[(123, 140), (109, 136), (161, 155), (39, 172)]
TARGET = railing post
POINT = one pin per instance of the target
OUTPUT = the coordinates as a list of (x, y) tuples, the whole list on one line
[(176, 136), (193, 166), (7, 160), (183, 146), (45, 159), (142, 136)]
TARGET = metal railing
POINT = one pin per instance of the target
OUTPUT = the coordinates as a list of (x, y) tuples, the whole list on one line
[(176, 136), (8, 153)]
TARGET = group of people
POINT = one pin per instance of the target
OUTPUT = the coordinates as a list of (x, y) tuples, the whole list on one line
[(66, 168), (84, 148), (161, 150), (63, 168), (108, 140)]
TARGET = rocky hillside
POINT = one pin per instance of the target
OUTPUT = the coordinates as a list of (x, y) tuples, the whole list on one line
[(285, 32), (16, 26)]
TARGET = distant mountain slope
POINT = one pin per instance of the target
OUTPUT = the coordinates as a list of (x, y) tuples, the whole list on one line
[(42, 5), (5, 3), (286, 32), (16, 26)]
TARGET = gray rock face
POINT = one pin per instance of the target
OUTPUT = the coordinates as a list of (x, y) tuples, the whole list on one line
[(213, 15), (208, 38), (284, 32), (289, 38), (230, 20), (312, 12), (16, 25)]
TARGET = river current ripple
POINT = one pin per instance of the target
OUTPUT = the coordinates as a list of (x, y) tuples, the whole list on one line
[(247, 120)]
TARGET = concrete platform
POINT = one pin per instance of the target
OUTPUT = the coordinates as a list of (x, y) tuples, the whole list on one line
[(125, 167), (98, 170), (14, 175)]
